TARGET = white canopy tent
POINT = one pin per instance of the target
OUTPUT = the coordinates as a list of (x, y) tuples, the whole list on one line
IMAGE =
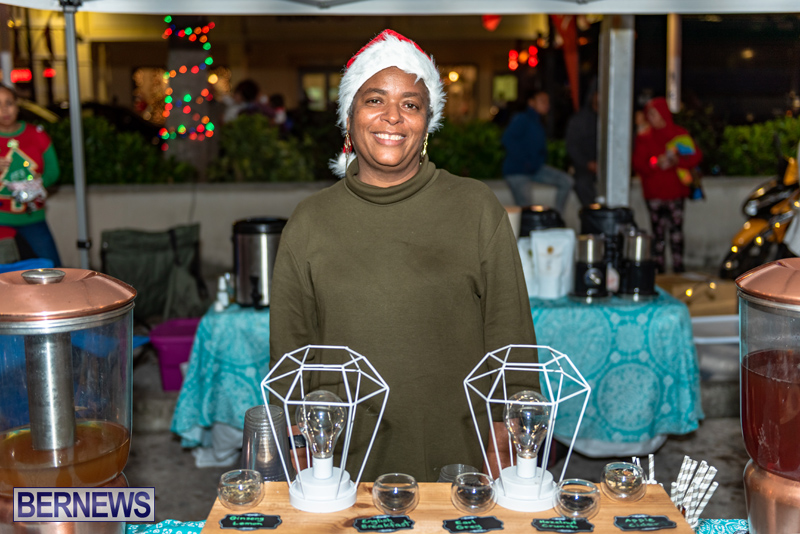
[(418, 7), (617, 61)]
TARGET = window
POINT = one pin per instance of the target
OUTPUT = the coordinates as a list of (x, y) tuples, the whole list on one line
[(459, 82), (320, 89)]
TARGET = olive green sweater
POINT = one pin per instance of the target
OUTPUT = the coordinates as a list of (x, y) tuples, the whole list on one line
[(423, 279)]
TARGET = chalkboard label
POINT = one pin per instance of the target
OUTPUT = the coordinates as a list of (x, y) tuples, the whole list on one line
[(643, 522), (562, 524), (252, 521), (383, 523), (472, 523)]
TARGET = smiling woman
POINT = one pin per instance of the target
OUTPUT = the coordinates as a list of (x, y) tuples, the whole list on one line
[(388, 122), (407, 264)]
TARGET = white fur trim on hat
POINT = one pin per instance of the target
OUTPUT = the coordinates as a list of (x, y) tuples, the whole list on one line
[(389, 49)]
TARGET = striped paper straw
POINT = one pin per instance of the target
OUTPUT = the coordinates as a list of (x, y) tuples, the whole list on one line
[(673, 493), (685, 476), (679, 480), (652, 461), (704, 485), (699, 475), (699, 509), (689, 501)]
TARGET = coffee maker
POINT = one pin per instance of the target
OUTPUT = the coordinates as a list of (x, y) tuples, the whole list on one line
[(637, 269), (769, 348), (65, 388), (590, 268)]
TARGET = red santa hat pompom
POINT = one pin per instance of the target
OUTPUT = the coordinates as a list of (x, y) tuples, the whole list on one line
[(388, 49)]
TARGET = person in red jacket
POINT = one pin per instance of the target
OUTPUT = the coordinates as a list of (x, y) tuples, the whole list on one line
[(663, 157)]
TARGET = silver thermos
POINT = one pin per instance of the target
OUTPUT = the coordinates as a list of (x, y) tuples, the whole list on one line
[(255, 244)]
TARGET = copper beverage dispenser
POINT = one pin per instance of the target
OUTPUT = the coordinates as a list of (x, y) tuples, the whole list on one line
[(65, 387), (769, 326)]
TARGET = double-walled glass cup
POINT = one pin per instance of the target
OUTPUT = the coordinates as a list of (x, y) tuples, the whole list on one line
[(576, 498), (395, 493), (473, 493), (240, 489), (624, 481)]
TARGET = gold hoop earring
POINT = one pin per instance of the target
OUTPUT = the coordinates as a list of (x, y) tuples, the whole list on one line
[(424, 149)]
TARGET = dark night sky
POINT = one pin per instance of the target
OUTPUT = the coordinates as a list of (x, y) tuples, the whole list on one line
[(714, 71)]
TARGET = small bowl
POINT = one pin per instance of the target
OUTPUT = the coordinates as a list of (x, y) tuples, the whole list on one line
[(473, 493), (240, 489), (623, 481), (395, 493), (576, 498)]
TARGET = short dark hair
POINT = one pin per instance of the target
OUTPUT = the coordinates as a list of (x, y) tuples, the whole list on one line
[(248, 89), (533, 93), (277, 100), (10, 90)]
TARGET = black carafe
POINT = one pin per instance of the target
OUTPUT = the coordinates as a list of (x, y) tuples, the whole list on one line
[(638, 272), (590, 268)]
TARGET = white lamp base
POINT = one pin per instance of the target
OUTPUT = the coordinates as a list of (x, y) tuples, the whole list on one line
[(525, 494), (310, 494)]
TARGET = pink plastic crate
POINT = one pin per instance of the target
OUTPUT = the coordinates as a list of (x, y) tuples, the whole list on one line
[(173, 342)]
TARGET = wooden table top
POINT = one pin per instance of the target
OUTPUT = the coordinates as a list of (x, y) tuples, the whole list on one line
[(435, 507)]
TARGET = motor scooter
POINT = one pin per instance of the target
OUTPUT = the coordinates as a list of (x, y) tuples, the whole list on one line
[(770, 209)]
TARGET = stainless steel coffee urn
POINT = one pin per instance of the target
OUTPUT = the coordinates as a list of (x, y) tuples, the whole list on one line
[(590, 268), (255, 244), (637, 270)]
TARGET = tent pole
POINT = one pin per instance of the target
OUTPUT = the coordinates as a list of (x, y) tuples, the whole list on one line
[(76, 129), (674, 62), (616, 109)]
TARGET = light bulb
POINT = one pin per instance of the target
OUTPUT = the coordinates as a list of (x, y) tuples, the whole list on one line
[(527, 424), (321, 424)]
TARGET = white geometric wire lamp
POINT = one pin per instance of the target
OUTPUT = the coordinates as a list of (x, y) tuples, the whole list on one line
[(322, 417), (529, 417)]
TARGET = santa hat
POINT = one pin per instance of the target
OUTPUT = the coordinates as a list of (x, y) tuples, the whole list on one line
[(389, 49)]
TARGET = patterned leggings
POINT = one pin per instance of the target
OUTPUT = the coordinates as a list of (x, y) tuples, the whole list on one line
[(666, 219)]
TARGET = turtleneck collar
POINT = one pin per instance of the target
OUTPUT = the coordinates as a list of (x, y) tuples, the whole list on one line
[(389, 195)]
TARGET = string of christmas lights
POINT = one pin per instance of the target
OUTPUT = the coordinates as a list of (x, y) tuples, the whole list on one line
[(203, 127)]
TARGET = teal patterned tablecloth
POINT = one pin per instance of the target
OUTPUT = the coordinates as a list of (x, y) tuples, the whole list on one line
[(229, 359), (706, 526), (638, 358)]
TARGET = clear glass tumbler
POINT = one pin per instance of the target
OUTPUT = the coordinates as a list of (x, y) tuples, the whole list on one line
[(473, 493), (576, 498), (240, 489), (624, 481), (395, 493)]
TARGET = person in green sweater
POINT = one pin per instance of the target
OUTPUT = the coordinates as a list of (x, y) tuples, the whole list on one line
[(28, 165), (410, 266)]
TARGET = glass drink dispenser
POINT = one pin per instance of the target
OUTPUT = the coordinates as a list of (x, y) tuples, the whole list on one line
[(65, 386), (769, 326)]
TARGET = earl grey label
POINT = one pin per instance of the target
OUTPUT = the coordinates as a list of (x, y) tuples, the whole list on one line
[(472, 523), (383, 523), (643, 522), (252, 521), (562, 524)]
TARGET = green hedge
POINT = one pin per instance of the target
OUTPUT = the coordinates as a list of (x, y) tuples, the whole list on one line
[(114, 157), (750, 150), (475, 149), (251, 150)]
